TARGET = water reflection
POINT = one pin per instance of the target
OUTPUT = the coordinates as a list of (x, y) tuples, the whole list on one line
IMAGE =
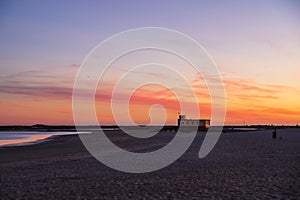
[(18, 140), (13, 138)]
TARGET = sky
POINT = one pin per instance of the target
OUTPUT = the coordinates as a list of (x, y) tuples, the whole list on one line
[(254, 44)]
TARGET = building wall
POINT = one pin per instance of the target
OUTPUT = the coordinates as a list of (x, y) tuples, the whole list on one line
[(201, 123), (194, 122)]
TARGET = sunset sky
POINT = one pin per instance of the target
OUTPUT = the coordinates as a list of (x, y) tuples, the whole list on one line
[(255, 45)]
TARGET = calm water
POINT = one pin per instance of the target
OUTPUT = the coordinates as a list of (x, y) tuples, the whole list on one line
[(9, 138)]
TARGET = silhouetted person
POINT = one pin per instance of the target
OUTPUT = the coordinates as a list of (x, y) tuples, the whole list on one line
[(274, 134)]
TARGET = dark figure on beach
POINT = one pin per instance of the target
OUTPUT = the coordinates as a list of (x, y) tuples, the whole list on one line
[(274, 133)]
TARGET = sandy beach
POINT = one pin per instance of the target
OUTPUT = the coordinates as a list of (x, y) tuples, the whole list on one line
[(248, 165)]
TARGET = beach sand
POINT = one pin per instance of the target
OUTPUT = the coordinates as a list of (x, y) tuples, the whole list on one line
[(244, 165)]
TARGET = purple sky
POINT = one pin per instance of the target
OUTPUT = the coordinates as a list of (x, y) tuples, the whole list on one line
[(251, 42)]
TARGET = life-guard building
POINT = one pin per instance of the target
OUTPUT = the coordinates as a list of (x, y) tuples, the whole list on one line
[(201, 123)]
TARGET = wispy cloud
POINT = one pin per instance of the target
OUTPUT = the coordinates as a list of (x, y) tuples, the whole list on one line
[(54, 82), (40, 91), (243, 96)]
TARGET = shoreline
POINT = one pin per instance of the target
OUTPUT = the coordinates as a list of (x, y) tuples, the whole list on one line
[(34, 139), (25, 138)]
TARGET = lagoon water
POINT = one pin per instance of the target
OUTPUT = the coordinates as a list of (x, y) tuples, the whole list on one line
[(16, 138)]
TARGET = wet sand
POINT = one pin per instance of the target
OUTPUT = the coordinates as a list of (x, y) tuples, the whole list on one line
[(244, 165)]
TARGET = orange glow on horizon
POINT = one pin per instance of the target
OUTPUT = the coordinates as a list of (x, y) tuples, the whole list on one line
[(248, 101)]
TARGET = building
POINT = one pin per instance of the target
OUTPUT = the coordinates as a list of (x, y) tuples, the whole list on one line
[(201, 123)]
